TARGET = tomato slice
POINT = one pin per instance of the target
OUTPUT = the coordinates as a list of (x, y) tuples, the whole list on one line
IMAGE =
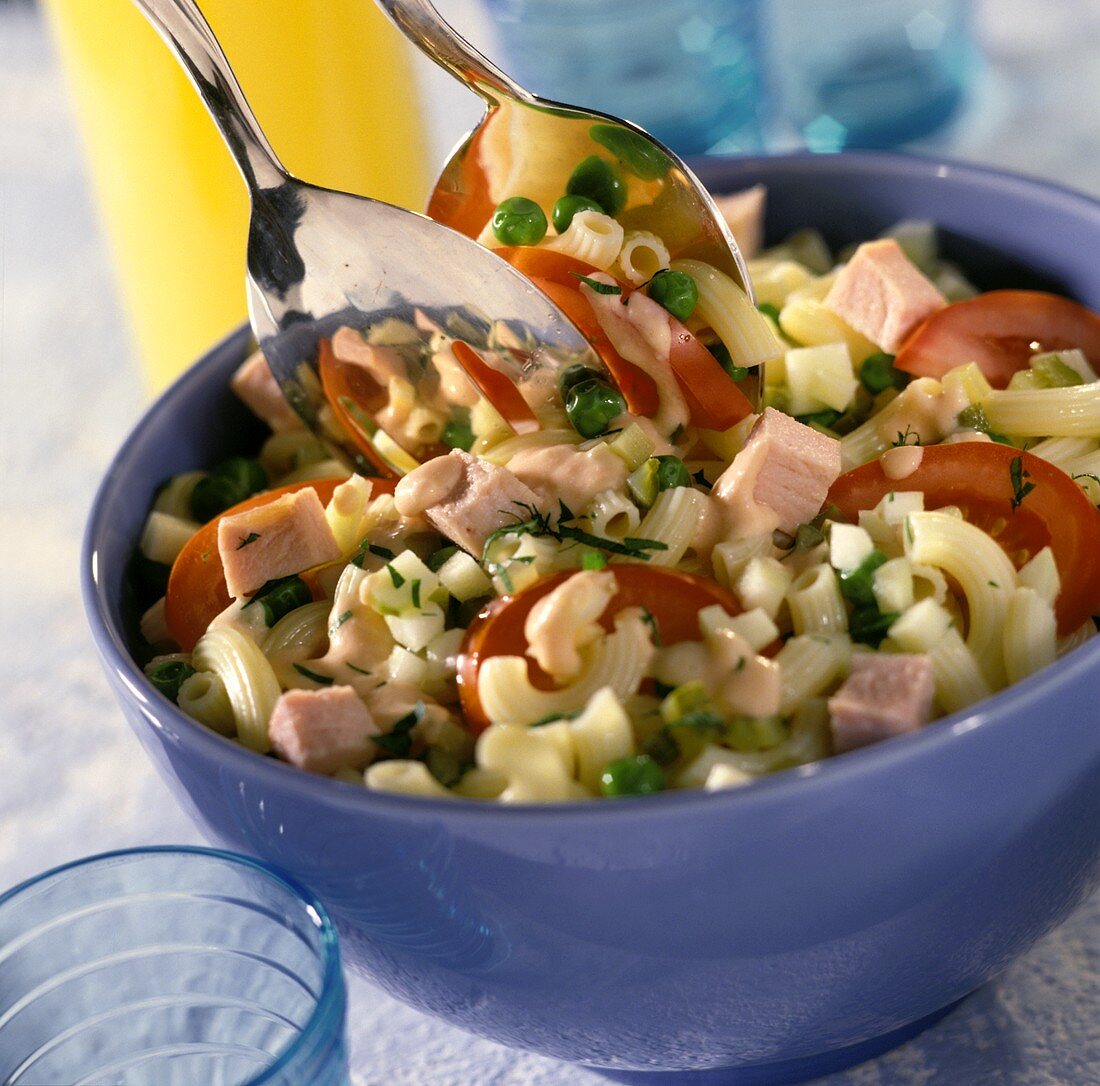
[(461, 200), (555, 274), (497, 389), (345, 385), (713, 399), (976, 476), (196, 585), (1000, 331), (672, 597)]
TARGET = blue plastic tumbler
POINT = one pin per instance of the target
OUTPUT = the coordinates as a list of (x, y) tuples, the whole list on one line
[(684, 70), (169, 967), (868, 73)]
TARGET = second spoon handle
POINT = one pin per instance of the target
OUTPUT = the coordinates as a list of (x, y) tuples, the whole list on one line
[(181, 24), (419, 21)]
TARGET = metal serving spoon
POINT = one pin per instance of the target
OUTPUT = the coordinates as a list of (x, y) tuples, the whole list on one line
[(541, 142), (320, 259)]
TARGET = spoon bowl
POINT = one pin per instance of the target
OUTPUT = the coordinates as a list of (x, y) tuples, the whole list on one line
[(319, 260), (530, 146)]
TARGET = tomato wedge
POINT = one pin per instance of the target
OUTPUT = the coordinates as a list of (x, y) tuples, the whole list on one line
[(1000, 331), (497, 389), (977, 477), (555, 274), (714, 401), (672, 597), (196, 585), (346, 383)]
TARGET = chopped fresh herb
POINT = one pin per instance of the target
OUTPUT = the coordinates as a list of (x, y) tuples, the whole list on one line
[(634, 775), (725, 360), (597, 286), (398, 740), (1020, 489), (437, 559), (868, 626), (552, 718), (342, 619), (910, 437), (414, 589), (313, 676), (701, 720), (169, 676), (280, 597), (662, 747), (808, 536), (360, 670), (396, 577), (856, 585), (381, 552), (538, 524), (443, 765), (877, 373), (593, 560), (701, 479), (651, 622), (247, 539), (228, 484), (992, 584), (769, 310), (500, 569)]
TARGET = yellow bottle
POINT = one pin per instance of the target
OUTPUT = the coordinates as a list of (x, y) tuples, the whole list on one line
[(331, 84)]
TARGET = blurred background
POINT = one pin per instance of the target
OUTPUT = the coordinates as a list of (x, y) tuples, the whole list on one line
[(121, 259)]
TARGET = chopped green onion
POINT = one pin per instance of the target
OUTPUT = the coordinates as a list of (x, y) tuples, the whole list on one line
[(169, 676), (857, 585), (229, 484), (280, 597)]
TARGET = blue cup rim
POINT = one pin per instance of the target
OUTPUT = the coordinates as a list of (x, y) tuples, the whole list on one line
[(331, 1004), (1027, 695)]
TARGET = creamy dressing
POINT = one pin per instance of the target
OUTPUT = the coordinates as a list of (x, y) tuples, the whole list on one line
[(901, 461), (924, 412), (564, 473), (735, 489), (564, 622), (428, 485)]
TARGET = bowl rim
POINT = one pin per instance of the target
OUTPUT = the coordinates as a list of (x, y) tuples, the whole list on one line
[(1025, 696)]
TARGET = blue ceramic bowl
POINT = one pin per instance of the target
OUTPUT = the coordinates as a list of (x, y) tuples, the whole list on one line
[(769, 934)]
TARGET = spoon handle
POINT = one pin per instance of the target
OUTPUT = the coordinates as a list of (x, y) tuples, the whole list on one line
[(428, 31), (181, 24)]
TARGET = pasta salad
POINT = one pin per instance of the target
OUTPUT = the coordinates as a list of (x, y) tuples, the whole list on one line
[(619, 581)]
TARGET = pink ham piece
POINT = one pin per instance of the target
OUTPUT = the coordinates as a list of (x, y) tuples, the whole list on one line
[(886, 694), (274, 540), (781, 477), (255, 385), (323, 730), (464, 498), (881, 294), (382, 363), (744, 214)]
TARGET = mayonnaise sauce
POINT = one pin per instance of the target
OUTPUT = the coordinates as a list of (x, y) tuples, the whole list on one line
[(564, 473), (564, 621), (901, 461), (428, 485)]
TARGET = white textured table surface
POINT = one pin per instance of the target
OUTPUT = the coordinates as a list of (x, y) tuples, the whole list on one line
[(72, 778)]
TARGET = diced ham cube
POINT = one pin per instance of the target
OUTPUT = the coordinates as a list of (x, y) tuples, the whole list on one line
[(382, 363), (781, 477), (274, 540), (255, 385), (465, 498), (323, 730), (744, 214), (886, 694), (882, 294)]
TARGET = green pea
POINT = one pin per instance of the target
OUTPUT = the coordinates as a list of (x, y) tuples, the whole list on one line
[(565, 207), (229, 483), (724, 359), (639, 775), (676, 291), (575, 375), (280, 597), (600, 182), (592, 406), (641, 156), (519, 221), (169, 676), (672, 473), (877, 373), (458, 434), (769, 310)]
